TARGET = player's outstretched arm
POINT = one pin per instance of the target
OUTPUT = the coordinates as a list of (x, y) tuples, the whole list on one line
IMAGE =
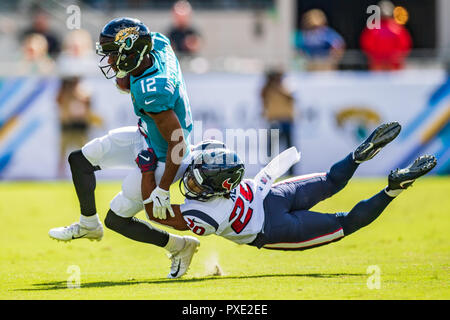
[(148, 184)]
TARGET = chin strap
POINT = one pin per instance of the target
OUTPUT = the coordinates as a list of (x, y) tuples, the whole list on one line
[(121, 73)]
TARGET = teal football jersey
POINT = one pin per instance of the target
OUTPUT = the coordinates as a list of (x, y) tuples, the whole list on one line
[(161, 87)]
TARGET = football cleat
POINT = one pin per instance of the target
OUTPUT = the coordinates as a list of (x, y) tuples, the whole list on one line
[(182, 259), (76, 231), (380, 137), (403, 178)]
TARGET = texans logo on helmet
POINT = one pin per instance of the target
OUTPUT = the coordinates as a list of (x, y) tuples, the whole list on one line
[(227, 185)]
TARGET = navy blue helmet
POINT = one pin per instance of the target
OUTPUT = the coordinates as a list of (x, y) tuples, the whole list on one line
[(212, 172), (123, 42)]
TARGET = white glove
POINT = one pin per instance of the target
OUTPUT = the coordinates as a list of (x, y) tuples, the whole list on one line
[(161, 203)]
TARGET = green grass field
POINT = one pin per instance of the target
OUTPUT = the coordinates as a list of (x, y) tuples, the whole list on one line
[(409, 244)]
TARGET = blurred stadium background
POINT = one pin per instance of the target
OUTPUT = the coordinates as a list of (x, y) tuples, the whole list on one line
[(53, 97)]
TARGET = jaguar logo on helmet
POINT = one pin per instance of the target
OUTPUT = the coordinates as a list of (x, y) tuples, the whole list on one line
[(127, 36)]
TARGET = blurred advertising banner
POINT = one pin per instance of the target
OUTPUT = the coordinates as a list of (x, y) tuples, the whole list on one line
[(334, 113)]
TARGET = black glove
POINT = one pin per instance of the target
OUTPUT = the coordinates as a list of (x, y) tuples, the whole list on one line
[(146, 160)]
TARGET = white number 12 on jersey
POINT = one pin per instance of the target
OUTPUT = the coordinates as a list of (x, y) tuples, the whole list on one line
[(149, 85)]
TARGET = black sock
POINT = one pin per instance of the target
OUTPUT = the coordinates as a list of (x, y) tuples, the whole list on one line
[(83, 178), (136, 229)]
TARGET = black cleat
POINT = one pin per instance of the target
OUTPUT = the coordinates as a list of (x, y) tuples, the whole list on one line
[(381, 136), (403, 178)]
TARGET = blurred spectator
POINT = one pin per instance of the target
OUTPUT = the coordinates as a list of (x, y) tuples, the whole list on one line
[(388, 46), (322, 46), (184, 38), (76, 60), (41, 25), (278, 107), (35, 59), (78, 56), (75, 116), (8, 30)]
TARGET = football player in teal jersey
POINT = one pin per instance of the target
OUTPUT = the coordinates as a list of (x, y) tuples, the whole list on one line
[(160, 100), (146, 67)]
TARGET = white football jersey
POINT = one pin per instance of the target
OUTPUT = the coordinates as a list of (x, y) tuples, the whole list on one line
[(239, 218)]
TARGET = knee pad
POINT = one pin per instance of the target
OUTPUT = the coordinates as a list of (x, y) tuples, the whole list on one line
[(95, 149), (78, 161), (125, 207)]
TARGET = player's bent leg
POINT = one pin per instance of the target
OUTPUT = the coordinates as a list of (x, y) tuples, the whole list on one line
[(136, 229), (341, 172), (83, 177), (364, 213), (89, 226), (339, 175), (367, 211), (298, 230), (301, 230), (304, 192), (117, 149), (181, 249), (308, 190), (121, 220)]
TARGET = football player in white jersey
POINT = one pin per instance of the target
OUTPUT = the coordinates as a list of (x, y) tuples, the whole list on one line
[(278, 216)]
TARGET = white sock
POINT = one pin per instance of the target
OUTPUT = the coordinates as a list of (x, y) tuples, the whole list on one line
[(392, 193), (175, 243), (90, 222)]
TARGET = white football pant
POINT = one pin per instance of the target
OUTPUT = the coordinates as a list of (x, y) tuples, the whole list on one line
[(118, 150)]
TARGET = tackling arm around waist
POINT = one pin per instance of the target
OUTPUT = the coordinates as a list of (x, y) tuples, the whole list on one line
[(147, 185)]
